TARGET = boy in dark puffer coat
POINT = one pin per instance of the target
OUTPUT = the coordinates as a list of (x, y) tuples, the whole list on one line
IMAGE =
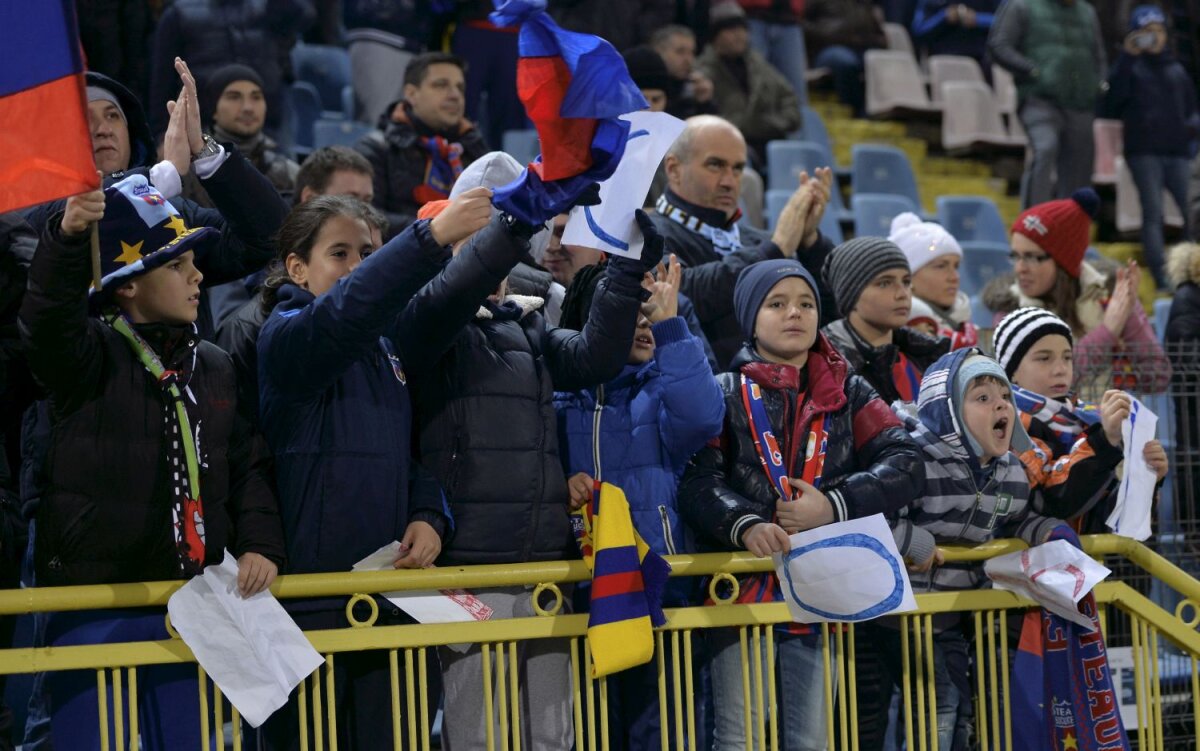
[(845, 453), (638, 432), (484, 367), (150, 472)]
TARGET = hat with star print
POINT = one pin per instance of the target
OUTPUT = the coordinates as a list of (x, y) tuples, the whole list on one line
[(141, 231)]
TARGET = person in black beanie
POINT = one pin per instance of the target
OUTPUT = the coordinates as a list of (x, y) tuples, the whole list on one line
[(234, 109), (872, 282), (650, 74)]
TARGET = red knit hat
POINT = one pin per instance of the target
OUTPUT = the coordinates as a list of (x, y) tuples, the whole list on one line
[(1061, 228)]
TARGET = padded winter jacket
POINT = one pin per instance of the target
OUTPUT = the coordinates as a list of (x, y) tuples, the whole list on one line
[(484, 376), (335, 408), (871, 463), (105, 511), (875, 363), (643, 427)]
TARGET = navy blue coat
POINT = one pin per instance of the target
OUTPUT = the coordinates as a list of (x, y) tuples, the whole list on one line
[(336, 412), (1155, 98), (643, 427)]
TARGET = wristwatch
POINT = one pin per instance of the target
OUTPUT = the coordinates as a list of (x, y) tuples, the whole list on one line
[(210, 148)]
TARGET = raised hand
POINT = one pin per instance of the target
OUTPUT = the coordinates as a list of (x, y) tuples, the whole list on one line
[(193, 120), (664, 291), (465, 216), (1120, 305), (177, 149), (792, 224), (821, 184), (1115, 406), (82, 210)]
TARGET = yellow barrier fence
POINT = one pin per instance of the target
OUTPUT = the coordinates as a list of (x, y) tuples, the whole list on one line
[(1166, 710)]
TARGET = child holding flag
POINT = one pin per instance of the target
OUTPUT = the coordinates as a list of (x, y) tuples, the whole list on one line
[(804, 444)]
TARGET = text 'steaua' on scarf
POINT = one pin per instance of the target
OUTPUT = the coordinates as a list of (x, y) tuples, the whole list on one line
[(574, 87), (627, 582), (140, 232), (1062, 692)]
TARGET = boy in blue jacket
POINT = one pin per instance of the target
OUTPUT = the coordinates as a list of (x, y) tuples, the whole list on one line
[(638, 432)]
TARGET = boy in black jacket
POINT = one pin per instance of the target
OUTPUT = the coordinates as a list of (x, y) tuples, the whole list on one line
[(150, 473), (840, 450)]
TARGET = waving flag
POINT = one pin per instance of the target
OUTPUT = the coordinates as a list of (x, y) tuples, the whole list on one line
[(574, 88), (1062, 692), (45, 145), (627, 583)]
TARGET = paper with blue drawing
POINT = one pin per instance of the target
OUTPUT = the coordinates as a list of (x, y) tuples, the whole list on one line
[(1130, 516), (849, 571), (610, 226)]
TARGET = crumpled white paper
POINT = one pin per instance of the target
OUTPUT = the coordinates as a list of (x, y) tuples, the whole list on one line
[(442, 606), (1056, 575), (850, 571), (1130, 516), (250, 647), (610, 226)]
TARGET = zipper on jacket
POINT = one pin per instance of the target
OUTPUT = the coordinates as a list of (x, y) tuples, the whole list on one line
[(597, 413), (666, 525)]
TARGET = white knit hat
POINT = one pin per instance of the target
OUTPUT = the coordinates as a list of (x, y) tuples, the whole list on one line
[(921, 241)]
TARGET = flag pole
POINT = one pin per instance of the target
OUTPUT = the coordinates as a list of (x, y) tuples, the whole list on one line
[(95, 238)]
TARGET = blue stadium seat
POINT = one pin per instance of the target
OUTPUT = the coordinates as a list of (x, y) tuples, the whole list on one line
[(883, 169), (306, 110), (813, 129), (971, 218), (348, 102), (326, 68), (874, 212), (831, 227), (982, 262), (338, 133), (785, 160), (981, 314), (521, 145), (1162, 310)]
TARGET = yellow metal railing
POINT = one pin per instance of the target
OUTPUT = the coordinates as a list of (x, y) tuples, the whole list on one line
[(407, 646)]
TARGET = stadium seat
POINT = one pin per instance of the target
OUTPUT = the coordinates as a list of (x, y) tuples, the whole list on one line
[(1005, 89), (377, 63), (874, 212), (521, 145), (981, 314), (786, 159), (348, 105), (1129, 204), (338, 132), (982, 262), (971, 122), (306, 110), (895, 88), (813, 129), (883, 169), (971, 218), (946, 68), (326, 68), (1107, 135)]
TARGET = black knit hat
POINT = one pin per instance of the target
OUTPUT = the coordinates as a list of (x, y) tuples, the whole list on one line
[(852, 265), (647, 69), (216, 84), (1018, 331)]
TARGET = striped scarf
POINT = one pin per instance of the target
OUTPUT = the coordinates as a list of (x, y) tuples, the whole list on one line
[(443, 165), (724, 241), (1067, 419)]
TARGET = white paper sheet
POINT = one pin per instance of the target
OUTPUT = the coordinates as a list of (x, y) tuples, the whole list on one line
[(610, 226), (1056, 575), (251, 648), (1135, 498), (850, 571), (443, 606)]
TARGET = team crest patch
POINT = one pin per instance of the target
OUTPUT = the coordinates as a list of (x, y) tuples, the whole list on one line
[(1033, 223)]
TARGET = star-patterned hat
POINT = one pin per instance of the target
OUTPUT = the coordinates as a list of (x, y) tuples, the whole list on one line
[(141, 231)]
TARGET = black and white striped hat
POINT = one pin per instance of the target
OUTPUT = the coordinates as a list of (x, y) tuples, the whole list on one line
[(1020, 330)]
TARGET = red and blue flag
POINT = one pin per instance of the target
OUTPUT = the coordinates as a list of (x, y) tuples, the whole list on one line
[(574, 88), (45, 144)]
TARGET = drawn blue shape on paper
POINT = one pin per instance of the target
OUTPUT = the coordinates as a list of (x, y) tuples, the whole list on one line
[(852, 540), (594, 226)]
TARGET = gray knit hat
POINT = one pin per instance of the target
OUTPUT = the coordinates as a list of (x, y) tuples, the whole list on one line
[(852, 265)]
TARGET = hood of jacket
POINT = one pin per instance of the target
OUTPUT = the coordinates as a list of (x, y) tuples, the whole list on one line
[(142, 152), (513, 308), (826, 371), (1183, 265), (951, 318)]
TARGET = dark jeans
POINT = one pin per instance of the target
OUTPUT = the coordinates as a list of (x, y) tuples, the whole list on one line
[(1152, 174), (847, 68), (1063, 150), (951, 671)]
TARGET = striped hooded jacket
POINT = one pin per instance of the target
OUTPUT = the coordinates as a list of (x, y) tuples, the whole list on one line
[(964, 503)]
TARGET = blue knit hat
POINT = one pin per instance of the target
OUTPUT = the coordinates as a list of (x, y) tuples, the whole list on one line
[(1144, 15), (141, 231), (754, 284)]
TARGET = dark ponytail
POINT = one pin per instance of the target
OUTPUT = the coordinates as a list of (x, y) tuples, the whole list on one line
[(298, 235)]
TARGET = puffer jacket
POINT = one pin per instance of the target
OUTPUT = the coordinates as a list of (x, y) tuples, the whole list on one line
[(398, 159), (1183, 342), (871, 464), (639, 431), (484, 377), (875, 363), (335, 408), (963, 501), (105, 513)]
